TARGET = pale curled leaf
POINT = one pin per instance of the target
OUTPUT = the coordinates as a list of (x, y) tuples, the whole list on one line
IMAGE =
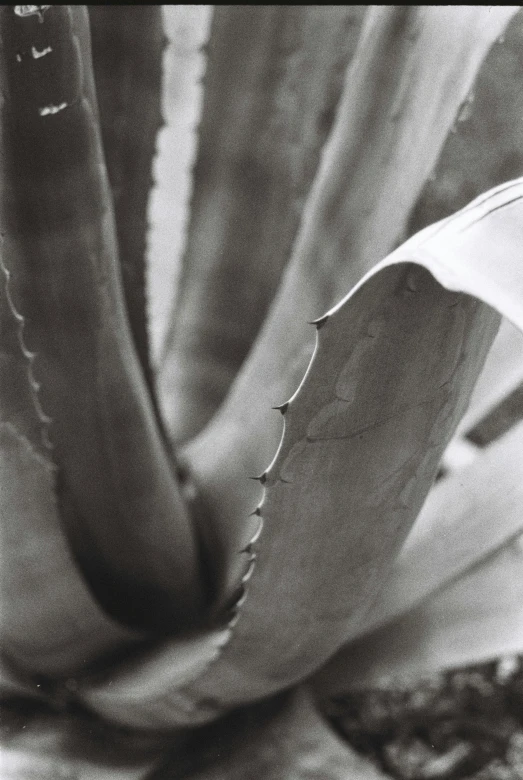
[(49, 621), (393, 372), (140, 693), (475, 619), (413, 68)]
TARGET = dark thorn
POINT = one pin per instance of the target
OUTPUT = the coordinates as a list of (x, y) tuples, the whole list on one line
[(256, 512), (282, 407), (262, 478), (320, 322)]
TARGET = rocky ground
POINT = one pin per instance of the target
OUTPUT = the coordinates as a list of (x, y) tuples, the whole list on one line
[(466, 723)]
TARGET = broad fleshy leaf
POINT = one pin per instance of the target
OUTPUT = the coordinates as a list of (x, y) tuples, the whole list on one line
[(391, 376), (413, 68), (121, 507), (274, 76)]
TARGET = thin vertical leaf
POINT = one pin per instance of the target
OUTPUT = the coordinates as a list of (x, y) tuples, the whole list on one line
[(187, 30), (127, 46), (274, 75)]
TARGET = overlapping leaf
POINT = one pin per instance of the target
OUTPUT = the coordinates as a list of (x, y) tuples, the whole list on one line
[(475, 619), (467, 517)]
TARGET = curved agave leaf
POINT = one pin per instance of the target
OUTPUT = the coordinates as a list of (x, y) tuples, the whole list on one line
[(392, 374), (373, 168), (127, 45), (273, 79), (122, 511)]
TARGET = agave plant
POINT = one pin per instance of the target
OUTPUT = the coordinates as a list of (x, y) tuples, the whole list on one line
[(163, 615)]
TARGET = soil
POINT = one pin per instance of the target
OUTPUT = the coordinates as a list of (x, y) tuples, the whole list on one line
[(462, 724)]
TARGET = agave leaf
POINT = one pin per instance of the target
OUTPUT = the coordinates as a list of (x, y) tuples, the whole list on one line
[(187, 30), (467, 517), (49, 621), (273, 79), (373, 168), (392, 374), (474, 619), (127, 45), (122, 511)]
